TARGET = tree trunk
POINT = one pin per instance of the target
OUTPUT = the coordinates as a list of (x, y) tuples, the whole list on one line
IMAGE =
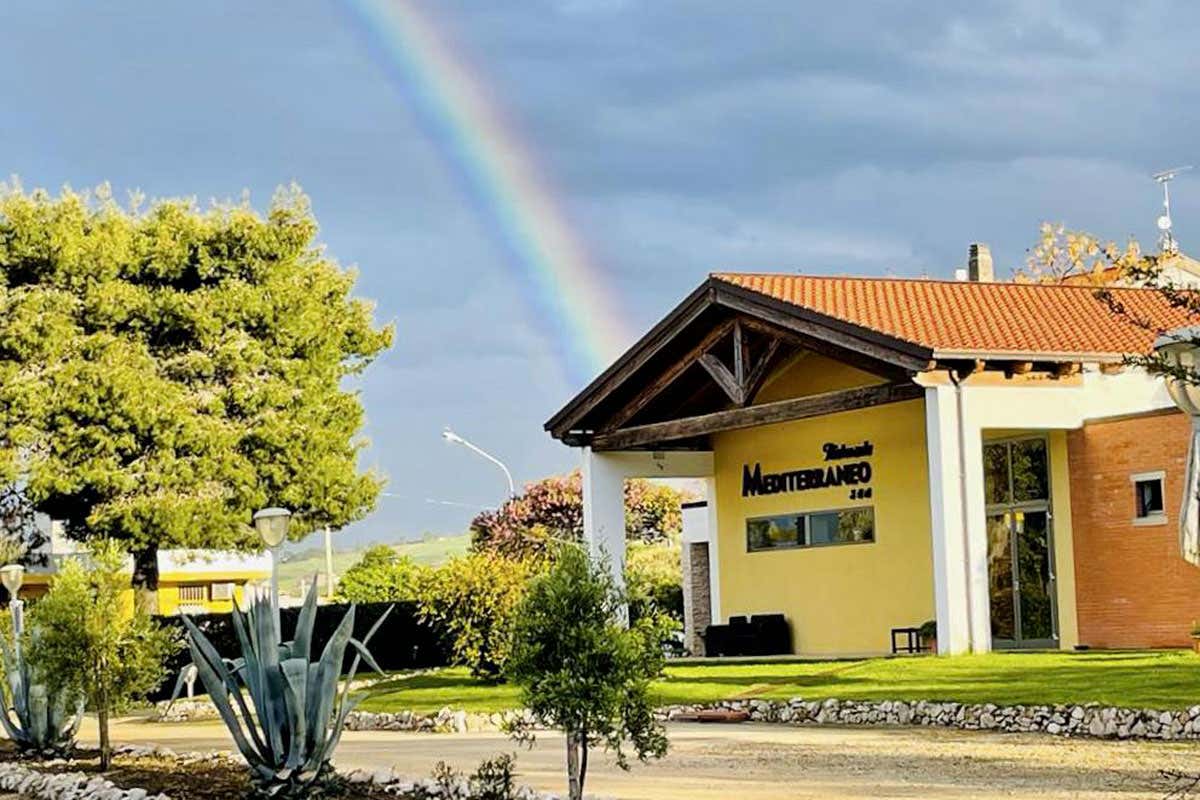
[(583, 761), (105, 744), (145, 579), (574, 778)]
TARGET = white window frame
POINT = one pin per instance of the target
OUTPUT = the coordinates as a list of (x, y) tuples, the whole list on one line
[(1153, 519)]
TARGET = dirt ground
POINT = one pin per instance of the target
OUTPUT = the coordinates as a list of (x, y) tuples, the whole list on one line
[(772, 762)]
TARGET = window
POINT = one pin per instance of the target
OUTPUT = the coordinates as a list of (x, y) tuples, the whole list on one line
[(1148, 498), (193, 593), (222, 591), (813, 529)]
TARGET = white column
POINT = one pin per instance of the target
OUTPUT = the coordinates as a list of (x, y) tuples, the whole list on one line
[(604, 509), (950, 584), (979, 592)]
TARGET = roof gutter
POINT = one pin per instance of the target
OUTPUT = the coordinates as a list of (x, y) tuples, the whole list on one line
[(1028, 355)]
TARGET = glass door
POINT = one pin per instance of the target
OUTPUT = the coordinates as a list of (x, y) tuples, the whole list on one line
[(1021, 578)]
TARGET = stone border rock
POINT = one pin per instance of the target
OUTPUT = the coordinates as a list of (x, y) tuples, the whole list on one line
[(1092, 719), (15, 777), (447, 720), (27, 780)]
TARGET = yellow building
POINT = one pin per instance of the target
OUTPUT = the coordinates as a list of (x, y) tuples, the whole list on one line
[(189, 581), (879, 453), (200, 581)]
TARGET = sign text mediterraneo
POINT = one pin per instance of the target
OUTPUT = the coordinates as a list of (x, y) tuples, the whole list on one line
[(854, 473)]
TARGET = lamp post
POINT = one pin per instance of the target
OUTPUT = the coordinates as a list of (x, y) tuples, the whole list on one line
[(454, 438), (328, 563), (1180, 350), (12, 576), (272, 527)]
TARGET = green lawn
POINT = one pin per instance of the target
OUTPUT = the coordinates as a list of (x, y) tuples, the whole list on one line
[(1162, 680)]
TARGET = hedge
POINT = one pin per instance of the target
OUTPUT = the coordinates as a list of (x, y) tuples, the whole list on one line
[(402, 642)]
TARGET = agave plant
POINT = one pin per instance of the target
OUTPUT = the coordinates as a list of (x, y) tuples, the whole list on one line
[(37, 724), (298, 713)]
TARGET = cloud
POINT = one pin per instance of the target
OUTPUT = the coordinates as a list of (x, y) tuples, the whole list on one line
[(684, 136)]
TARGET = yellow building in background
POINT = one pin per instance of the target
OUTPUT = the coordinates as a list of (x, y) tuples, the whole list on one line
[(189, 581)]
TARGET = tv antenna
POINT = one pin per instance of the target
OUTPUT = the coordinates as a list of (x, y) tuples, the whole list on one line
[(1166, 240)]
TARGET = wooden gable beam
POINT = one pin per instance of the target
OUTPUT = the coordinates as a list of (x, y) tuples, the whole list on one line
[(859, 361), (764, 414), (729, 384), (739, 385), (668, 376), (758, 375), (846, 337), (744, 381)]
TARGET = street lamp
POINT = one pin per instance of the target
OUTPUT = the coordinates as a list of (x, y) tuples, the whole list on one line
[(272, 527), (454, 438), (1180, 350), (12, 576)]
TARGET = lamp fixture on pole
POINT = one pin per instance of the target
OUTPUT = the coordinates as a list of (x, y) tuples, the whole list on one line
[(1180, 351), (12, 576), (454, 438), (272, 526)]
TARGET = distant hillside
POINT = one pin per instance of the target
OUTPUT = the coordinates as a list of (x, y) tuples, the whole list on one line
[(431, 551)]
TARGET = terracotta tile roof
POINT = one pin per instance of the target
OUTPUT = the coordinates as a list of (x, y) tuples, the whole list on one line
[(951, 317)]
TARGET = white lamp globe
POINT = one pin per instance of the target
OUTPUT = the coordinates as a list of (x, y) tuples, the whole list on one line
[(12, 576), (1180, 349), (272, 525)]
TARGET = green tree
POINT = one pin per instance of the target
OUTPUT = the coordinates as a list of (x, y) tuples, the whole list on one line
[(1080, 257), (379, 576), (166, 371), (582, 670), (473, 600), (20, 538), (91, 638), (552, 509)]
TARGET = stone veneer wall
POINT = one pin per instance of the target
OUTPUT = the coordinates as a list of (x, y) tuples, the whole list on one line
[(697, 600)]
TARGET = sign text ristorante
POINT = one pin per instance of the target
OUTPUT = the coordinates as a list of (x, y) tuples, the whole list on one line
[(855, 473)]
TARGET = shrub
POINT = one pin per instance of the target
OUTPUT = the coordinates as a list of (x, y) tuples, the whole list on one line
[(89, 637), (552, 510), (654, 575), (472, 599), (582, 670), (380, 576)]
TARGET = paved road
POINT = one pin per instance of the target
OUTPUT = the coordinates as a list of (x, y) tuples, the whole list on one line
[(772, 762)]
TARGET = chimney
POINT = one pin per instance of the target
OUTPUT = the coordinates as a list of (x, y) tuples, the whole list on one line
[(979, 264)]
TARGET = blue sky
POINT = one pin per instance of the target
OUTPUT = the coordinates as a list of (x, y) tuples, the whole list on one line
[(684, 137)]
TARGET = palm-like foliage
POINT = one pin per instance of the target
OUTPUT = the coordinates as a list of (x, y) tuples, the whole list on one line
[(298, 712), (37, 723)]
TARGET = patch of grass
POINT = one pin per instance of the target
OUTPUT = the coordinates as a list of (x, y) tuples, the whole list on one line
[(1144, 679), (427, 692), (431, 552)]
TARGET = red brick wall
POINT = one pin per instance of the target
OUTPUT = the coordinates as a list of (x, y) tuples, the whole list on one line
[(1132, 587)]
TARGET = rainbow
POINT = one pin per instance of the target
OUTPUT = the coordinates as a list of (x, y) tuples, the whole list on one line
[(566, 288)]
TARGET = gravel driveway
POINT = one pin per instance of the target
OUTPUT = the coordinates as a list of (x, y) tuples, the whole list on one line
[(761, 762)]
